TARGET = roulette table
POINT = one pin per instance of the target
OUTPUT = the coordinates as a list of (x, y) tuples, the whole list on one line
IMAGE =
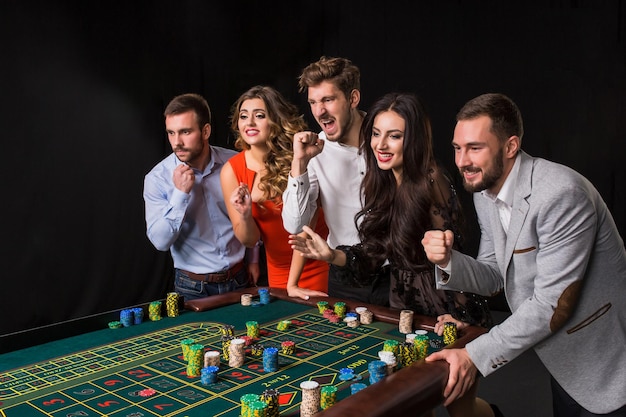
[(140, 370)]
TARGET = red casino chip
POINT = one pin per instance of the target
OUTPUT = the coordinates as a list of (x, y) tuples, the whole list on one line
[(148, 392)]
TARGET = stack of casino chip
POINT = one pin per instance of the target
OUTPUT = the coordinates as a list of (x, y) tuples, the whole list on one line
[(310, 398), (405, 324), (288, 347), (340, 308), (171, 304), (256, 349), (322, 306), (245, 402), (247, 339), (351, 321), (366, 317), (270, 397), (408, 354), (115, 325), (410, 338), (252, 329), (237, 353), (227, 330), (154, 311), (449, 333), (195, 359), (391, 345), (138, 315), (212, 358), (185, 344), (328, 396), (377, 370), (246, 299), (270, 359), (283, 325), (420, 345), (256, 409), (208, 375), (356, 387), (264, 296), (126, 317), (226, 346), (331, 316), (390, 361)]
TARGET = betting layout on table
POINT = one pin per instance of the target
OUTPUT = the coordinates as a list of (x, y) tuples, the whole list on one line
[(148, 374)]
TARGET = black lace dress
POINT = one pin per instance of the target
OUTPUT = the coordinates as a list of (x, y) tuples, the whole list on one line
[(415, 290)]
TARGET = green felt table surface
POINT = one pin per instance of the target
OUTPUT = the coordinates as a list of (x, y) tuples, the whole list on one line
[(101, 372)]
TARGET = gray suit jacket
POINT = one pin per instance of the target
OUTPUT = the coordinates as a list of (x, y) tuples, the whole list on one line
[(562, 265)]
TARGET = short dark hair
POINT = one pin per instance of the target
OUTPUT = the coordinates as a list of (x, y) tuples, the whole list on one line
[(506, 118), (339, 71), (190, 102)]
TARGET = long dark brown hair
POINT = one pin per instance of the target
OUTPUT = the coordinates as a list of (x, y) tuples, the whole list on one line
[(395, 216)]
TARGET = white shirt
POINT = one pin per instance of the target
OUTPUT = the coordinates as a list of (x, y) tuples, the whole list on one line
[(335, 176)]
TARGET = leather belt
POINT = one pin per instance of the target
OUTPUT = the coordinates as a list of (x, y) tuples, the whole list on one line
[(215, 277)]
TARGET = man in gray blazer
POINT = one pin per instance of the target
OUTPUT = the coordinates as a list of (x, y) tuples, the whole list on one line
[(549, 241)]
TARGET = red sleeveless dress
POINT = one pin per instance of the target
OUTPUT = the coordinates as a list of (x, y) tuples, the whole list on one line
[(267, 216)]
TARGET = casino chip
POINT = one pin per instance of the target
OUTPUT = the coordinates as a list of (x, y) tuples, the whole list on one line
[(148, 392)]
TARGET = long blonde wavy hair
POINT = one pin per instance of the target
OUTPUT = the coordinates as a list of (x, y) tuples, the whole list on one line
[(285, 121)]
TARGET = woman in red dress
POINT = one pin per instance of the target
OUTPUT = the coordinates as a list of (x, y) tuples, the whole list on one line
[(253, 182)]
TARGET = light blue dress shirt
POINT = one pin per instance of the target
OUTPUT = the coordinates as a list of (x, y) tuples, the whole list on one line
[(195, 227)]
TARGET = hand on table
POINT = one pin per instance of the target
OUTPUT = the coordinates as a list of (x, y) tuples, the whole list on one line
[(304, 293), (462, 372)]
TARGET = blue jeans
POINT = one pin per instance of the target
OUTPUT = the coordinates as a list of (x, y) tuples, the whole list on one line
[(191, 289)]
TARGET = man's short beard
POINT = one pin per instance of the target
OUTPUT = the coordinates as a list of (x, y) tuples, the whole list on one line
[(490, 177)]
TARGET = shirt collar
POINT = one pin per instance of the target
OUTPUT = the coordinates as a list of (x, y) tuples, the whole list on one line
[(508, 188)]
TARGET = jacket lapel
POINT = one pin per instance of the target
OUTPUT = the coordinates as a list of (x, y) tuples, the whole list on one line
[(520, 205)]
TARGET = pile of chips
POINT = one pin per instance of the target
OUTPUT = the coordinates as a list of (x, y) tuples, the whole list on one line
[(226, 346), (405, 324), (237, 353), (209, 375), (171, 304), (270, 397), (270, 359), (185, 346), (356, 387), (328, 396), (340, 309), (377, 370), (252, 406), (283, 325), (256, 349), (195, 359), (449, 333), (390, 361), (420, 345), (211, 358), (264, 296), (253, 329), (288, 347), (310, 398), (154, 311), (365, 316)]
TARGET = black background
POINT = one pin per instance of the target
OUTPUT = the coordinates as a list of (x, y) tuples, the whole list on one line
[(84, 84)]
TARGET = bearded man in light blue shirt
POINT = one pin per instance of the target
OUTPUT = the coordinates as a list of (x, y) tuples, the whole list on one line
[(185, 209)]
